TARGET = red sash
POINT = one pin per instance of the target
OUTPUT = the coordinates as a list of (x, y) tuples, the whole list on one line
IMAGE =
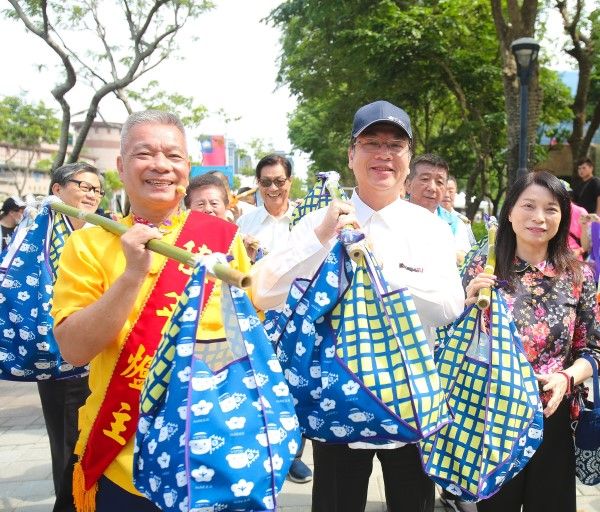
[(116, 421)]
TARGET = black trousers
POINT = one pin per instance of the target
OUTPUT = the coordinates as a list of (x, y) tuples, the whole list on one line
[(341, 479), (112, 498), (61, 400), (547, 483)]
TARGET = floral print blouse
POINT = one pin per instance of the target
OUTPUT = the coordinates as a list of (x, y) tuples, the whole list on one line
[(558, 320)]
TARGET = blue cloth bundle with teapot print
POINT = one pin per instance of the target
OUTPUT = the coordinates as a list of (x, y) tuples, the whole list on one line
[(217, 427), (28, 350)]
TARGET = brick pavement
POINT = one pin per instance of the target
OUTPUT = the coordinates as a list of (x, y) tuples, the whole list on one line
[(26, 480)]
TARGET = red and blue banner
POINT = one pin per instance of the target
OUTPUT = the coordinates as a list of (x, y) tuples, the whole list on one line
[(213, 150)]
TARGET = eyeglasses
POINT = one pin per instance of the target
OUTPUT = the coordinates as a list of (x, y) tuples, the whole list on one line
[(267, 182), (396, 147), (88, 187)]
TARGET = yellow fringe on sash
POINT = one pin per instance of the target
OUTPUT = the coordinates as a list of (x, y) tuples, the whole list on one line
[(85, 501)]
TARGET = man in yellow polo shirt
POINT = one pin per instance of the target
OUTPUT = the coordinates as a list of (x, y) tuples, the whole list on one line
[(112, 297)]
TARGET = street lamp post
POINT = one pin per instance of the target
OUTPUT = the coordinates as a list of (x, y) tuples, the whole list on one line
[(526, 51)]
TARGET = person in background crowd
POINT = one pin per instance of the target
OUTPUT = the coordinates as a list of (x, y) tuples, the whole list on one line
[(11, 214), (78, 185), (426, 187), (587, 192), (207, 194), (552, 298), (579, 216), (416, 251), (269, 225), (448, 204), (233, 212), (109, 285)]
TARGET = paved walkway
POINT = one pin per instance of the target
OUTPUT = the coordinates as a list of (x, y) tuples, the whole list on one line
[(26, 480)]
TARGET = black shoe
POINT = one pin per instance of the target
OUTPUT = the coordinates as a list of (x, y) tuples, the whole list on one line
[(299, 472), (452, 502)]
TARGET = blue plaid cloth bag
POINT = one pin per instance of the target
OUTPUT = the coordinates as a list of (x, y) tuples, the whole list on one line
[(28, 350), (587, 434), (494, 396), (217, 428), (318, 197), (356, 358)]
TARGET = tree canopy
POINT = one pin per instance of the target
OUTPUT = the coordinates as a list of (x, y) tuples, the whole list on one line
[(24, 127), (124, 40), (438, 60)]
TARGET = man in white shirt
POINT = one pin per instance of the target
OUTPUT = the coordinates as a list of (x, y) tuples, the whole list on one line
[(269, 224), (268, 227), (415, 250), (427, 184)]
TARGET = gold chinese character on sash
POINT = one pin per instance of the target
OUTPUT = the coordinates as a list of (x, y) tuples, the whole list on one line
[(117, 427), (137, 371), (190, 246), (168, 310)]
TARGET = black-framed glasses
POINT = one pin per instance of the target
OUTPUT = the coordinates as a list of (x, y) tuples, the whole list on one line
[(267, 182), (88, 187), (396, 147)]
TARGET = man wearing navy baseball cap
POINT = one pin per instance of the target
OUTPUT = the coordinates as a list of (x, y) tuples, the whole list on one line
[(415, 250)]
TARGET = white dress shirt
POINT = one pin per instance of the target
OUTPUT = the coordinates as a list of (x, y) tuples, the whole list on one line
[(414, 248), (271, 232)]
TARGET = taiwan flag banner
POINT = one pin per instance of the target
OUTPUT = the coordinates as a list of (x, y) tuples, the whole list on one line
[(213, 149)]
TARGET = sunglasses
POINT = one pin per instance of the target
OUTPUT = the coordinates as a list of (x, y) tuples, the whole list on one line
[(267, 182)]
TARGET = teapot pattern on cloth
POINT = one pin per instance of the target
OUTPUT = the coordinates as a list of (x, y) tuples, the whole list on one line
[(217, 428), (28, 350)]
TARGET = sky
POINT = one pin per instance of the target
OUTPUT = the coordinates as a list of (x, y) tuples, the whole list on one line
[(228, 60)]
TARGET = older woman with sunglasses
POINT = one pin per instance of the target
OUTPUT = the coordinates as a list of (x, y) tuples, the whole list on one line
[(78, 185), (552, 298)]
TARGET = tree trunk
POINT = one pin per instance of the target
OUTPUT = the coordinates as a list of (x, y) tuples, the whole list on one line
[(513, 22)]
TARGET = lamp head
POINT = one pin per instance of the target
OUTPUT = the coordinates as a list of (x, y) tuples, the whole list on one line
[(525, 50)]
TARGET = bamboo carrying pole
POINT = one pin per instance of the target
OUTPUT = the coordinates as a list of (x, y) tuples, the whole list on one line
[(485, 295), (219, 270), (355, 251), (236, 198)]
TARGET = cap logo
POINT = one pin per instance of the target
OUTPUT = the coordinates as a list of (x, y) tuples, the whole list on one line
[(395, 119)]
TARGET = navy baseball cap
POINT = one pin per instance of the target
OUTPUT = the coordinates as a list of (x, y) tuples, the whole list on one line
[(380, 112)]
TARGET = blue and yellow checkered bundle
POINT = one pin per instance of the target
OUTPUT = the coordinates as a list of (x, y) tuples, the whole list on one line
[(356, 357), (58, 236), (28, 350), (493, 393), (318, 197)]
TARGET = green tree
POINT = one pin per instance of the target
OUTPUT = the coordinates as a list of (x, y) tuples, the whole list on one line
[(24, 127), (152, 97), (421, 55), (111, 62), (513, 20), (259, 148), (437, 59), (298, 188), (583, 29), (112, 184)]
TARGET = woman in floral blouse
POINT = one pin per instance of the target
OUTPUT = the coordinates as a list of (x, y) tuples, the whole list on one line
[(552, 298)]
